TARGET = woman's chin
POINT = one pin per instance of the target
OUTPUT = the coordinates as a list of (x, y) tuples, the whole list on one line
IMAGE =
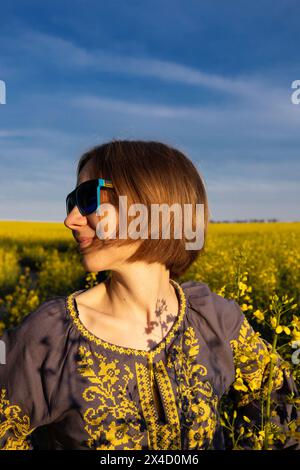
[(90, 266)]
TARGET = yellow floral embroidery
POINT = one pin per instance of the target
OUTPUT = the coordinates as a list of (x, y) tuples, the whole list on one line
[(252, 356), (198, 401), (116, 423), (165, 386), (108, 386), (160, 436), (14, 424)]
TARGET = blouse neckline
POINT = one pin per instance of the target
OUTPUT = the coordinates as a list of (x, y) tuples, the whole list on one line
[(72, 310)]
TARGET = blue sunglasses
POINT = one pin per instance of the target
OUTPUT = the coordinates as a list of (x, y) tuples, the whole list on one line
[(86, 196)]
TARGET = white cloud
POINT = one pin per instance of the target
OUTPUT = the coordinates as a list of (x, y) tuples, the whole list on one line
[(65, 53)]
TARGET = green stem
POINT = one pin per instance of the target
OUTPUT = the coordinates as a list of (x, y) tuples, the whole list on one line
[(268, 404)]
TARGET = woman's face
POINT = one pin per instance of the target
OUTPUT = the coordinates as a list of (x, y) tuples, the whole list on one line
[(105, 257)]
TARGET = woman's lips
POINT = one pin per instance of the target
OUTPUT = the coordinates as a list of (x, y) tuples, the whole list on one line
[(82, 242)]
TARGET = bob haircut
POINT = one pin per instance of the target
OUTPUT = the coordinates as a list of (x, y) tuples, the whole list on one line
[(149, 172)]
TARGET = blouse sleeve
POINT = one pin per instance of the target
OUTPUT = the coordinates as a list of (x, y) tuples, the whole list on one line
[(26, 388), (252, 356)]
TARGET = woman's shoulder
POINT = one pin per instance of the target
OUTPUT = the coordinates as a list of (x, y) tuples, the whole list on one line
[(36, 346), (46, 320), (222, 314)]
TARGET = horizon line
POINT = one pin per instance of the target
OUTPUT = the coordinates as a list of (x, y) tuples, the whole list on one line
[(252, 220)]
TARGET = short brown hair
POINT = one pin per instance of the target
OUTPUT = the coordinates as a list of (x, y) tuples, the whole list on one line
[(150, 172)]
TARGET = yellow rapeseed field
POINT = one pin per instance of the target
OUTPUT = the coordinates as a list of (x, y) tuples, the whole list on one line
[(256, 264)]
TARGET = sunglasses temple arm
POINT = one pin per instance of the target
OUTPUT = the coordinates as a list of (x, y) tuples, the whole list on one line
[(98, 198), (102, 183)]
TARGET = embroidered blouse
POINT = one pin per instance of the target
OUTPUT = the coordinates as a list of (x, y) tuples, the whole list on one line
[(61, 387)]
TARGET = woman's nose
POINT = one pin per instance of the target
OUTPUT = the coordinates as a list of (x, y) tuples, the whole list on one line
[(75, 219)]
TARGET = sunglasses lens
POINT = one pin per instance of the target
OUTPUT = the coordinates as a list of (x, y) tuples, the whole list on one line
[(70, 204), (87, 197)]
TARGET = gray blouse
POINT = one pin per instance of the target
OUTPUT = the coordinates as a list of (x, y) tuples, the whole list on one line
[(64, 388)]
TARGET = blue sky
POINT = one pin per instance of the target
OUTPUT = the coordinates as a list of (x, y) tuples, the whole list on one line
[(212, 78)]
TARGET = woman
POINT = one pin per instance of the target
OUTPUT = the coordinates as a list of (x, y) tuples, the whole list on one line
[(138, 361)]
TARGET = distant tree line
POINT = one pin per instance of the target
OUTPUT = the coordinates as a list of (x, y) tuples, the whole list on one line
[(242, 221)]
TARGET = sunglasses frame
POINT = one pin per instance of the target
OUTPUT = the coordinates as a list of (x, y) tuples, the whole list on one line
[(102, 183)]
